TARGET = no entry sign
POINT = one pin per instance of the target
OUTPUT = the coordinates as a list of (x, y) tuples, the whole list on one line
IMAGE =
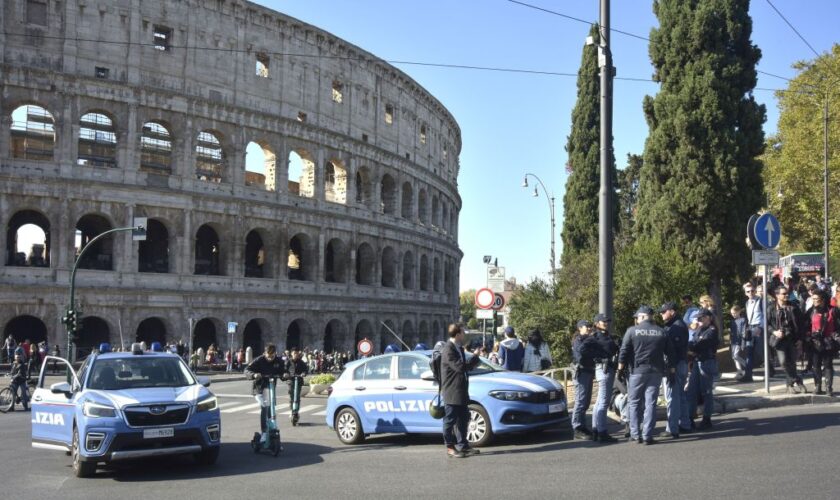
[(365, 347), (484, 298)]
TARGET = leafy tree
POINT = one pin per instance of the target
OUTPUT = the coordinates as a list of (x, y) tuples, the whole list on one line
[(580, 202), (536, 306), (467, 305), (628, 196), (793, 176), (701, 177)]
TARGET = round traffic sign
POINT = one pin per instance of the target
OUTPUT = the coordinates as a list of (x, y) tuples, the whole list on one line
[(498, 302), (365, 347), (484, 298), (767, 231)]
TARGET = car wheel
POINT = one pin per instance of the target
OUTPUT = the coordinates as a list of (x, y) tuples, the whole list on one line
[(208, 456), (81, 468), (479, 430), (348, 427)]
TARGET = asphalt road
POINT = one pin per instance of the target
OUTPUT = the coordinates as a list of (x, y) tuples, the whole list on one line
[(779, 453)]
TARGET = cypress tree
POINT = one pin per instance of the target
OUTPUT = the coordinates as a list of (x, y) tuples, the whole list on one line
[(580, 202), (701, 179)]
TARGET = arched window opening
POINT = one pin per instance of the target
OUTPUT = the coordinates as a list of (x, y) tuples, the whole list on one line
[(437, 275), (207, 252), (389, 268), (334, 335), (254, 256), (408, 335), (28, 240), (252, 337), (260, 167), (363, 194), (424, 273), (26, 327), (444, 220), (97, 141), (33, 133), (365, 262), (435, 211), (153, 252), (408, 271), (364, 330), (301, 260), (204, 335), (447, 278), (407, 200), (156, 148), (94, 331), (386, 337), (297, 334), (335, 182), (301, 174), (100, 255), (209, 157), (422, 207), (335, 262), (425, 334), (388, 195)]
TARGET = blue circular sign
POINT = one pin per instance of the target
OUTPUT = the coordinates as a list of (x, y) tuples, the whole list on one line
[(767, 231)]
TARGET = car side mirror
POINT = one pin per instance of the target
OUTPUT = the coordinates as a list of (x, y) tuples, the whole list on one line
[(62, 388), (427, 375), (203, 380)]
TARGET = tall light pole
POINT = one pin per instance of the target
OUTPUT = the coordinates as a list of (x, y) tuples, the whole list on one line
[(605, 211), (825, 185), (550, 198)]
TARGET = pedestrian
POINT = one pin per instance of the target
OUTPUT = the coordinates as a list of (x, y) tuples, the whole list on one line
[(704, 350), (9, 348), (691, 311), (494, 354), (644, 351), (605, 366), (454, 390), (511, 351), (584, 350), (675, 398), (737, 329), (782, 325), (19, 375), (824, 331), (754, 332), (537, 354)]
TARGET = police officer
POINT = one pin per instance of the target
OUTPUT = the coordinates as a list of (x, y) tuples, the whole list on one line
[(584, 350), (605, 376), (704, 349), (677, 332), (649, 347)]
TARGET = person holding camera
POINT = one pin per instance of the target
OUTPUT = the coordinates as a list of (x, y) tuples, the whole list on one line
[(783, 334), (537, 354)]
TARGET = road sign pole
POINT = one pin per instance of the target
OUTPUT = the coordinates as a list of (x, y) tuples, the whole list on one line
[(767, 359)]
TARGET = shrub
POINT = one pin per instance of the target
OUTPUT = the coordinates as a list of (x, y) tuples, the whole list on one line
[(323, 379)]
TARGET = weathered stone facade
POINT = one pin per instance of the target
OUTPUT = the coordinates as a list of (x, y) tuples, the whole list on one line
[(145, 109)]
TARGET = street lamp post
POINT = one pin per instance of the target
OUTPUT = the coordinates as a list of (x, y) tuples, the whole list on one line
[(550, 198)]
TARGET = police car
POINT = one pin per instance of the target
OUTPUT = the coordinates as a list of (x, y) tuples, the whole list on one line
[(126, 405), (391, 393)]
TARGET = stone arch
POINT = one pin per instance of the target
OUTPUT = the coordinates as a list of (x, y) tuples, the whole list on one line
[(255, 257), (101, 255), (453, 221), (25, 327), (97, 140), (335, 336), (156, 147), (335, 181), (335, 261), (152, 330), (408, 270), (94, 331), (447, 277), (301, 173), (423, 206), (386, 337), (424, 273), (387, 195), (364, 330), (33, 134), (153, 252), (436, 275), (365, 264), (389, 268), (407, 200), (444, 218), (208, 250), (302, 258), (205, 334), (298, 334), (363, 191), (28, 228), (408, 334), (260, 166), (435, 211), (210, 158), (253, 336), (424, 333)]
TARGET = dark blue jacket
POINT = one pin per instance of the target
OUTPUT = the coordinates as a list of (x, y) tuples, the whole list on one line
[(585, 350), (646, 345), (609, 345), (511, 353), (705, 344), (736, 330), (678, 333)]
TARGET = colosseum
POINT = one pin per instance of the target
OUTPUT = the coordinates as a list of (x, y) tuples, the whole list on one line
[(293, 183)]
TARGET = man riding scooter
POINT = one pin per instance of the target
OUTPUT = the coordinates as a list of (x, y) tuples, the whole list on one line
[(261, 371), (296, 369)]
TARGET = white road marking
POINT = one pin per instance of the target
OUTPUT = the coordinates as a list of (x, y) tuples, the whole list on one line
[(242, 408), (276, 409), (233, 396), (303, 409), (230, 403), (321, 413)]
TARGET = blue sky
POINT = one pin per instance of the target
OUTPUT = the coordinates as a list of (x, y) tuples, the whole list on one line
[(516, 123)]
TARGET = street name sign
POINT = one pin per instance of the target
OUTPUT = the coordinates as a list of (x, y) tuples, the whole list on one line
[(765, 258)]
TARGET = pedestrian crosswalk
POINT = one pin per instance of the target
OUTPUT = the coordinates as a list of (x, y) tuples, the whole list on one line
[(233, 404)]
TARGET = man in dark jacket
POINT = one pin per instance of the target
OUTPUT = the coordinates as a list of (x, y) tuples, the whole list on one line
[(454, 388), (19, 374), (295, 367), (783, 333), (677, 332), (260, 371)]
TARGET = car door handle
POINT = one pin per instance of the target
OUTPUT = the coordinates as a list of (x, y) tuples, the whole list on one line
[(400, 387), (360, 388)]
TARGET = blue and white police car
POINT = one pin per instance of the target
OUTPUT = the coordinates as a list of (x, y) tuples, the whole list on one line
[(391, 393), (126, 405)]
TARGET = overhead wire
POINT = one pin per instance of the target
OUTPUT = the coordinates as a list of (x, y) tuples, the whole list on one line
[(793, 28)]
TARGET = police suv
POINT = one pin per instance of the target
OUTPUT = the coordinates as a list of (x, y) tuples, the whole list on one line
[(391, 393), (124, 406)]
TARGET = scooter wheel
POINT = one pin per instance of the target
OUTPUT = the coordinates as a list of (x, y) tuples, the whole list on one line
[(295, 419), (275, 446), (255, 443)]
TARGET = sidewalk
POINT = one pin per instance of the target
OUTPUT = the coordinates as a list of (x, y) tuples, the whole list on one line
[(732, 396)]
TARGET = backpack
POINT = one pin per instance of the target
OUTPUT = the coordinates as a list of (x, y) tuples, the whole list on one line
[(435, 363)]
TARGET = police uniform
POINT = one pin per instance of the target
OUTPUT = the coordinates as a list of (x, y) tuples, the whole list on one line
[(649, 346), (704, 349), (605, 376), (585, 348), (675, 397)]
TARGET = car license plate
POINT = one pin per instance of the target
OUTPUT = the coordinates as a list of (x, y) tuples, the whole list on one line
[(555, 408), (158, 433)]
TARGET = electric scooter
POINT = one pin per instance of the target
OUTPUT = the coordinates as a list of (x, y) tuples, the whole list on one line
[(297, 382), (269, 440)]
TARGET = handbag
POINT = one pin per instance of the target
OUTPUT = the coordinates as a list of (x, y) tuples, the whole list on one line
[(436, 410)]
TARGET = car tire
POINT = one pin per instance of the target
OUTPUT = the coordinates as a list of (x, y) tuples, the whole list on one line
[(80, 468), (348, 427), (208, 456), (479, 429)]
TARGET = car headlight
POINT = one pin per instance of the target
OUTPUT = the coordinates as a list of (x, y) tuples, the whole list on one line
[(511, 395), (96, 410), (208, 404)]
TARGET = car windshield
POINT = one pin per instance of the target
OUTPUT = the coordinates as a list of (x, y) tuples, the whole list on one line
[(139, 372), (483, 366)]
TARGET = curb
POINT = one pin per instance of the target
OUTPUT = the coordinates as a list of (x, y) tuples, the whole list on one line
[(734, 404)]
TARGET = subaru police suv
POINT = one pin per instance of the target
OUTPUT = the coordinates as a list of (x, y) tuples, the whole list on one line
[(126, 405)]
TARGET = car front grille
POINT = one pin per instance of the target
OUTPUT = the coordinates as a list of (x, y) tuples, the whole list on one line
[(547, 397), (156, 415)]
